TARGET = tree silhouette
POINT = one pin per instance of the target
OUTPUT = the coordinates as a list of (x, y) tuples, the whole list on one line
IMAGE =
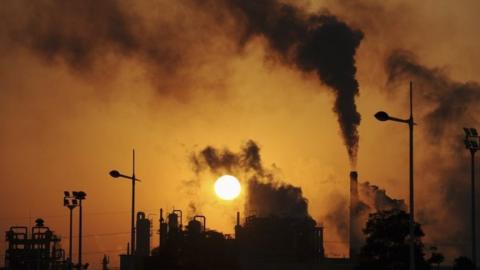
[(463, 263), (436, 257), (387, 243)]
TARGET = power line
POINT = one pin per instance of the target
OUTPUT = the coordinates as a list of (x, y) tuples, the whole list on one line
[(87, 214)]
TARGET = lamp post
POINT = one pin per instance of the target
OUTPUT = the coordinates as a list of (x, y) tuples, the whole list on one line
[(472, 143), (383, 116), (70, 202), (79, 196), (117, 174)]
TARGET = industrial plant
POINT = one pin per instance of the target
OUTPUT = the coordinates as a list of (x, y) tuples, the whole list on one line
[(259, 242)]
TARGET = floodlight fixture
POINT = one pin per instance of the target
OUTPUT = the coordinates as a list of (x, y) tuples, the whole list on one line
[(79, 195), (472, 141)]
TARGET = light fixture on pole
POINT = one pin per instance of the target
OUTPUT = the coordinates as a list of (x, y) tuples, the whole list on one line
[(472, 143), (383, 116), (79, 196), (117, 174), (70, 202)]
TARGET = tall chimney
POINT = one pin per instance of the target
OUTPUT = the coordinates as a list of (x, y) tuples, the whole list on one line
[(238, 228), (353, 241)]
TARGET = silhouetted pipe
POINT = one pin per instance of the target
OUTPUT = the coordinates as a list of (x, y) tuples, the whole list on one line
[(204, 221), (179, 211), (353, 250)]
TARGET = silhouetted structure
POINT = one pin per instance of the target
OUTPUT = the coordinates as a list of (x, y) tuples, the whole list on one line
[(193, 247), (280, 238), (383, 116), (354, 211), (39, 250), (260, 241), (105, 262), (472, 143), (143, 233), (71, 203), (117, 174)]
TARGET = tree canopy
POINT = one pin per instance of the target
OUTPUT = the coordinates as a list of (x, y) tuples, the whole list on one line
[(387, 242)]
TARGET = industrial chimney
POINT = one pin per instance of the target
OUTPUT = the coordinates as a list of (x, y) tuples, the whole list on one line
[(353, 216)]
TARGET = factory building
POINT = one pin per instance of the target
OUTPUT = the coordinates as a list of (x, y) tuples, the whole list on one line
[(259, 243), (38, 249)]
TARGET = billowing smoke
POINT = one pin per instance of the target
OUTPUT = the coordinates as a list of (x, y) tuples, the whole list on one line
[(319, 43), (86, 35), (366, 199), (266, 196), (376, 199), (91, 38), (451, 106)]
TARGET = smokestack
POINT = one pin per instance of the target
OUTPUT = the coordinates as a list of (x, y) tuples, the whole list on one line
[(238, 228), (353, 251), (162, 230)]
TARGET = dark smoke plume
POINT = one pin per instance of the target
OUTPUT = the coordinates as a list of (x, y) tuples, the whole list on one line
[(90, 38), (377, 199), (78, 32), (86, 34), (319, 43), (450, 106), (370, 199), (265, 195)]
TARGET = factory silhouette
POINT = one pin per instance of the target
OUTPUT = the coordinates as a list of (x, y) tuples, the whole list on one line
[(265, 241)]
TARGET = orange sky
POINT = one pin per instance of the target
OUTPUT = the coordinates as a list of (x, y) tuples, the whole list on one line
[(63, 129)]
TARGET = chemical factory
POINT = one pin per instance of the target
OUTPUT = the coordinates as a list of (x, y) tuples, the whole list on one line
[(37, 250), (259, 242)]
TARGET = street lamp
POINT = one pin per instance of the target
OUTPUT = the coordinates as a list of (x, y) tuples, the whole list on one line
[(79, 196), (117, 174), (70, 202), (472, 143), (383, 116)]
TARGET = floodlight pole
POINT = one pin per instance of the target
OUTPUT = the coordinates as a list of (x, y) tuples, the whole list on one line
[(80, 234), (474, 238), (70, 202), (472, 141), (132, 236), (70, 238)]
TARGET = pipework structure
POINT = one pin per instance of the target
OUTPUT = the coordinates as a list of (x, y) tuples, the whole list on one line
[(37, 250)]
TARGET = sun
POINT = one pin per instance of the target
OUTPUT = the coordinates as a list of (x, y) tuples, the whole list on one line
[(227, 187)]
